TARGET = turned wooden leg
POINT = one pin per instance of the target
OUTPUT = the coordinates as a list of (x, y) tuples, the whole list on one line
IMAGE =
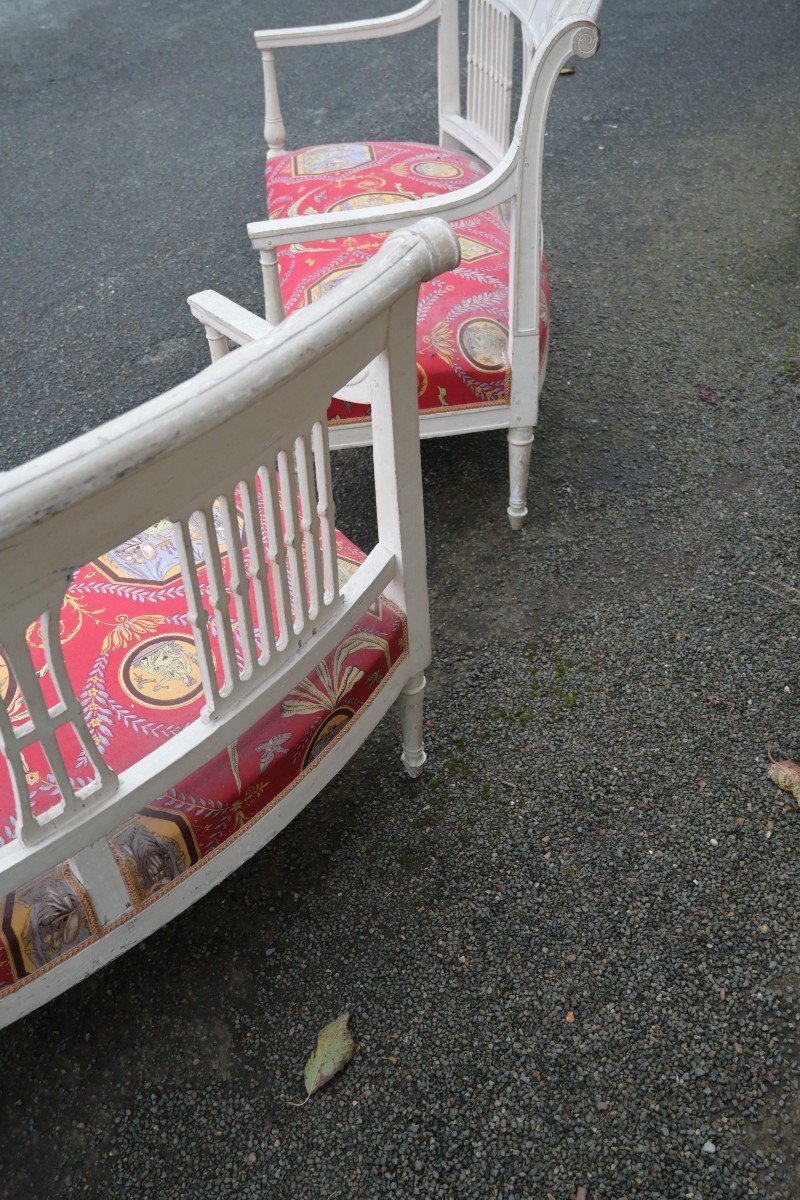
[(519, 461), (411, 715)]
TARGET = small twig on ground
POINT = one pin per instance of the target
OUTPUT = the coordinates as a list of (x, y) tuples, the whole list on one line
[(788, 593)]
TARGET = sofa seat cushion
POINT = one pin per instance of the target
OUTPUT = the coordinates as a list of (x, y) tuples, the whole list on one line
[(462, 322), (130, 655)]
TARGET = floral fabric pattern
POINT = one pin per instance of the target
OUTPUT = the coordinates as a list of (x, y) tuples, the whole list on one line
[(130, 655), (462, 318)]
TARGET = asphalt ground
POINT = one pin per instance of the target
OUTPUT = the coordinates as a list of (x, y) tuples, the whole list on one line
[(570, 949)]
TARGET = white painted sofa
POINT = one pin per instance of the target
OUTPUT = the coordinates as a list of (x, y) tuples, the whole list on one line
[(173, 697), (483, 330)]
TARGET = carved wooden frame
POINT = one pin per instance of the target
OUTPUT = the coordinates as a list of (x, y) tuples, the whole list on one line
[(552, 32), (257, 415)]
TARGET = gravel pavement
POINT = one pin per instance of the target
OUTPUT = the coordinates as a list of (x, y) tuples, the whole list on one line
[(570, 950)]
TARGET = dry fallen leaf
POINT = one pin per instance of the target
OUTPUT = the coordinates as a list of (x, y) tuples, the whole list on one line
[(333, 1050), (784, 773)]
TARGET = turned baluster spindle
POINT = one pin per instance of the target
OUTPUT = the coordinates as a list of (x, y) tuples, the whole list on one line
[(197, 614), (276, 553), (292, 560), (41, 727), (258, 571), (27, 826), (218, 599), (274, 131), (326, 509), (239, 583), (309, 521), (105, 779)]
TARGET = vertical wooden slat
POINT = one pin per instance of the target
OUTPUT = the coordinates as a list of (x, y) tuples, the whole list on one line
[(218, 598), (197, 614), (239, 583), (309, 520), (481, 99), (501, 75), (258, 571), (26, 822), (490, 70), (448, 68), (44, 721), (491, 59), (507, 71), (106, 779), (288, 502), (326, 509), (276, 553), (471, 58)]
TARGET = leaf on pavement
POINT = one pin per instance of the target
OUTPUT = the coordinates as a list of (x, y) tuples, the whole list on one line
[(333, 1051), (785, 773)]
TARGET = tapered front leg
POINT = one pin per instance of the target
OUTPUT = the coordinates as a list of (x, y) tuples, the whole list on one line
[(411, 717), (519, 462)]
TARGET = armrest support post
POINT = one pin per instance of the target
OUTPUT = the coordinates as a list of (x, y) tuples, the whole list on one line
[(270, 274), (217, 342), (274, 131)]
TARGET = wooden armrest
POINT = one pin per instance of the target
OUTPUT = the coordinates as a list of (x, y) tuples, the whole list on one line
[(485, 193), (350, 31), (228, 318)]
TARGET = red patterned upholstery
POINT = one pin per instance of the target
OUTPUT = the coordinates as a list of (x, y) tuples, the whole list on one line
[(130, 656), (462, 323)]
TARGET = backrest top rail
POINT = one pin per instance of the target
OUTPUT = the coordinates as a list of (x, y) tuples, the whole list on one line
[(96, 460)]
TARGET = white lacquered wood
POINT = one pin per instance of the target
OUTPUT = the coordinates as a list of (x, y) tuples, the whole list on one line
[(271, 279), (448, 69), (411, 723), (551, 32), (433, 423), (229, 319), (97, 871), (274, 131), (520, 443), (351, 31), (486, 127), (255, 419), (239, 325), (217, 343)]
